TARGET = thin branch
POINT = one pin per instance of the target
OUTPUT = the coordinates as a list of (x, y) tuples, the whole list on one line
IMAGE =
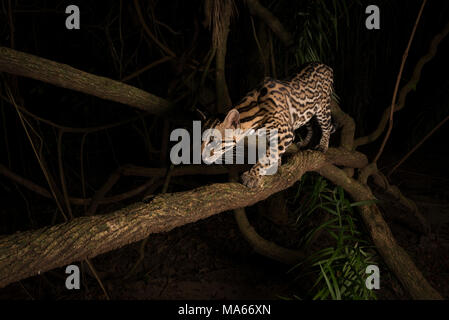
[(36, 145), (65, 192), (406, 88), (24, 182), (91, 267), (112, 180), (148, 31), (418, 145), (275, 25), (70, 129), (259, 47), (398, 79), (30, 185), (146, 68)]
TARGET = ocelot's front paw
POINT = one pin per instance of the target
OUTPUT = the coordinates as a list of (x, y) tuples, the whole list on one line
[(251, 180)]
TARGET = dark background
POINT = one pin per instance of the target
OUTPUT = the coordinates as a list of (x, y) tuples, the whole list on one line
[(112, 43)]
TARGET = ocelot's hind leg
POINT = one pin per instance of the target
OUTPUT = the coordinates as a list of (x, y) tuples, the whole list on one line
[(325, 121)]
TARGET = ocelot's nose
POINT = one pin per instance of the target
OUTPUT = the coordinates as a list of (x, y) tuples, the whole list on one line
[(212, 152)]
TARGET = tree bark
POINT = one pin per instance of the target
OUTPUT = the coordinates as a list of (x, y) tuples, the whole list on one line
[(220, 40), (395, 256), (62, 75), (33, 252), (28, 253)]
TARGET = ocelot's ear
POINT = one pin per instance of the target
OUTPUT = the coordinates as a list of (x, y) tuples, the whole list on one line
[(232, 120)]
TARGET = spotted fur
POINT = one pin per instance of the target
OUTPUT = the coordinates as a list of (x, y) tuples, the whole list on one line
[(285, 106)]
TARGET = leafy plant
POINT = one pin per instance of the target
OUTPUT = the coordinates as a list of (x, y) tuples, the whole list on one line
[(339, 265)]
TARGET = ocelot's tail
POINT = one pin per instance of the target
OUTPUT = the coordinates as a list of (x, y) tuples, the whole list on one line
[(304, 142), (308, 137)]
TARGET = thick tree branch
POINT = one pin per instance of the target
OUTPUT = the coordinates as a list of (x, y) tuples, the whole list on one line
[(127, 170), (29, 253), (62, 75), (221, 15), (395, 257)]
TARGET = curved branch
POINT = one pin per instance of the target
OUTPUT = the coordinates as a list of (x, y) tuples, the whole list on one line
[(222, 13), (264, 247), (148, 31), (380, 180), (405, 89), (395, 256), (396, 87), (66, 128), (127, 170), (427, 136), (63, 75), (347, 123)]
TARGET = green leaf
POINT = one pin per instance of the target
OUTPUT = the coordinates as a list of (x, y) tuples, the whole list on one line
[(364, 203)]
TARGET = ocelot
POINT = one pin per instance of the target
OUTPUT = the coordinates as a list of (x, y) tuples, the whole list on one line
[(282, 105)]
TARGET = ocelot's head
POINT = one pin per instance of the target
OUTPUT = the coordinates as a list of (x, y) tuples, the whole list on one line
[(220, 137)]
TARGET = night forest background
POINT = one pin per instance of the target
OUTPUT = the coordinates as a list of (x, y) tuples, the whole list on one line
[(65, 153)]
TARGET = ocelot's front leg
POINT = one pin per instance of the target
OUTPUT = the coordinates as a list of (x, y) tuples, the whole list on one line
[(270, 162)]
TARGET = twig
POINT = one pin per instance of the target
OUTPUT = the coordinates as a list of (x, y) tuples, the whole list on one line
[(148, 31), (418, 145), (262, 55), (170, 29), (38, 153), (70, 129), (409, 86), (62, 175), (275, 25), (273, 61), (91, 267), (398, 79), (83, 178), (146, 68), (112, 180), (11, 25)]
